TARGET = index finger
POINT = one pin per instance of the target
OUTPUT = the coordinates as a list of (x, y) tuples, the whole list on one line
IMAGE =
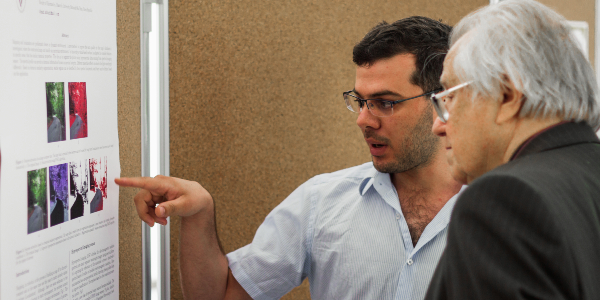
[(147, 183)]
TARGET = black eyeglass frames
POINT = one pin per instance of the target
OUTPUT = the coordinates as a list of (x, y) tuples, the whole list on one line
[(377, 107)]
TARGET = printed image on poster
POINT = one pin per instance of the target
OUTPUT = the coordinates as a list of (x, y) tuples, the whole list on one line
[(55, 108), (59, 194), (37, 216), (98, 183), (79, 180), (78, 110)]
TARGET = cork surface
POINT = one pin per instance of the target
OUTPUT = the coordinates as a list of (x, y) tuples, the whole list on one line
[(128, 69), (577, 10), (256, 99)]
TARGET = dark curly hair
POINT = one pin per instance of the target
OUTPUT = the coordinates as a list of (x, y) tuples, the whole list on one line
[(423, 37)]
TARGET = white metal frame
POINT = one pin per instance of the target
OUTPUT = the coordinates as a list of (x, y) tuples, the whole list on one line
[(164, 282), (146, 27), (165, 235)]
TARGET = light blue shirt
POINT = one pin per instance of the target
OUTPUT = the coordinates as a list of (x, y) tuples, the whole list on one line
[(345, 231)]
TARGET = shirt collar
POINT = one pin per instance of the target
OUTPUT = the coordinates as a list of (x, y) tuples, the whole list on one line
[(368, 181), (375, 179), (382, 183)]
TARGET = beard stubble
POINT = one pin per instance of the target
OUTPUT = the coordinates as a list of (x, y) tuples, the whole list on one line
[(416, 149)]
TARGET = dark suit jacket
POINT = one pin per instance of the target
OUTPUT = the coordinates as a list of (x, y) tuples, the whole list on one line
[(529, 229)]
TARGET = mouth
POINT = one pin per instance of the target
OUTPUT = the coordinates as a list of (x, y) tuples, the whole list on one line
[(375, 143), (376, 147)]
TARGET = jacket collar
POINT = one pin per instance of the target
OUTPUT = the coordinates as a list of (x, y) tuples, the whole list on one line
[(558, 136)]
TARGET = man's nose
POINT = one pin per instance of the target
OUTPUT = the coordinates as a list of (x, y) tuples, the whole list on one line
[(367, 119), (439, 127)]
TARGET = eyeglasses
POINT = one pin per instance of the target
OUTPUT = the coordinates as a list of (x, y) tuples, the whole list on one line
[(377, 107), (439, 101)]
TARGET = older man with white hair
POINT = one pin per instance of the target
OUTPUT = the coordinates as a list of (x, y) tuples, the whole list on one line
[(518, 118)]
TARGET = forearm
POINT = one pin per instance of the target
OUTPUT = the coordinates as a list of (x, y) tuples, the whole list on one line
[(203, 265)]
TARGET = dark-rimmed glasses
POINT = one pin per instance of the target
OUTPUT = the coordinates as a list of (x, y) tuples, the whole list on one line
[(377, 107), (439, 101)]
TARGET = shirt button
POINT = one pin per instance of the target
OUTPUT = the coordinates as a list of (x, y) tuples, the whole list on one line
[(409, 261), (397, 216)]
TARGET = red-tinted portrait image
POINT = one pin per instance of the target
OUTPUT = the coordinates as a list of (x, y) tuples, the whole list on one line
[(78, 110), (98, 183)]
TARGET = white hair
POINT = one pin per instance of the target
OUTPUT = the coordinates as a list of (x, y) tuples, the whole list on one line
[(529, 45)]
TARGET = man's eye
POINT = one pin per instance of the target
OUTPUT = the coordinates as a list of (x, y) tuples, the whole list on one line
[(383, 104)]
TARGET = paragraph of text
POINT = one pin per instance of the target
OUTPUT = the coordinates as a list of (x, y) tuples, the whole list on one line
[(40, 56)]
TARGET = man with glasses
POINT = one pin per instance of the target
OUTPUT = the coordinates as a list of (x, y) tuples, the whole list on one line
[(374, 231), (519, 120)]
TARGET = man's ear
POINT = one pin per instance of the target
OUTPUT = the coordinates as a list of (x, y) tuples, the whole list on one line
[(511, 103)]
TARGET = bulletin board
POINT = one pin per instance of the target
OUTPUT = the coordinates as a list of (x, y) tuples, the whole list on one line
[(128, 89), (256, 103)]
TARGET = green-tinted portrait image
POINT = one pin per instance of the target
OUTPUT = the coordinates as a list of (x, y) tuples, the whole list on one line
[(55, 111), (37, 203)]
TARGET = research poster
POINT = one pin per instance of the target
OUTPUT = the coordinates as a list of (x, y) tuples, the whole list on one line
[(59, 150)]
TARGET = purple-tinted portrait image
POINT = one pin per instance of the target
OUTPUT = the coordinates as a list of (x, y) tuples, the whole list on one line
[(59, 194)]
